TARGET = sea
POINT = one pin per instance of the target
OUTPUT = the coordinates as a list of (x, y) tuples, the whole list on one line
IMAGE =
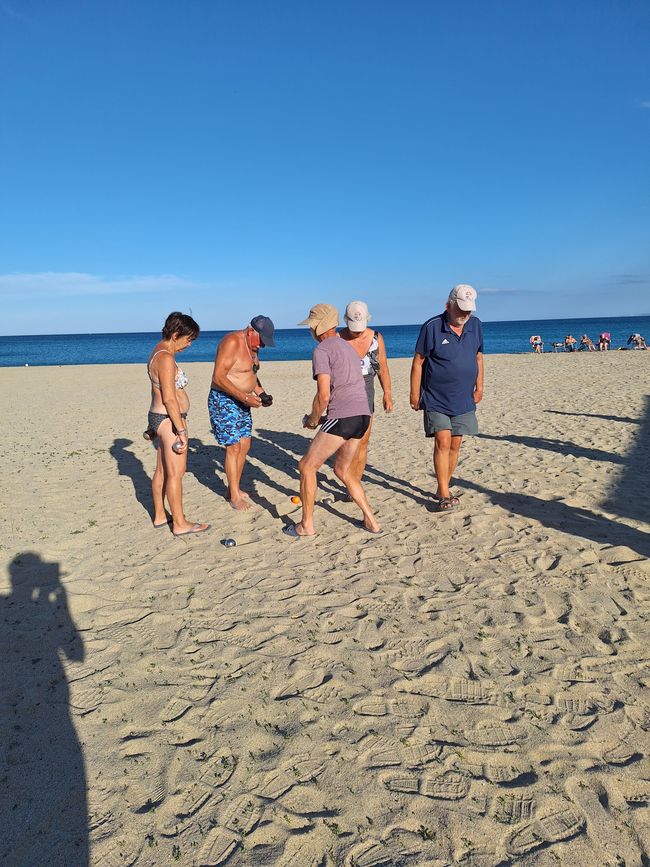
[(293, 344)]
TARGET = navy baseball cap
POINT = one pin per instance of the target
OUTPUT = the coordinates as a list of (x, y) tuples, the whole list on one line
[(265, 328)]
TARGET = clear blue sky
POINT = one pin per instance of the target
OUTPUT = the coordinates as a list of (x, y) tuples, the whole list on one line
[(257, 156)]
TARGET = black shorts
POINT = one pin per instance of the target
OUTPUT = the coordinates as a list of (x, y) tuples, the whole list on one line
[(352, 428)]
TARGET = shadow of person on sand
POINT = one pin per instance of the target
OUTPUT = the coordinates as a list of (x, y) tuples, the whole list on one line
[(630, 494), (297, 444), (131, 467), (207, 467), (567, 519), (623, 418), (560, 447), (43, 796), (278, 450)]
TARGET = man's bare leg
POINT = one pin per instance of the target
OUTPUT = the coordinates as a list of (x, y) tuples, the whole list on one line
[(360, 459), (234, 466), (345, 469), (445, 457), (321, 448)]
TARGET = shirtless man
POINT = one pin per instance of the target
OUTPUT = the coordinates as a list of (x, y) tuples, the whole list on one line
[(236, 389)]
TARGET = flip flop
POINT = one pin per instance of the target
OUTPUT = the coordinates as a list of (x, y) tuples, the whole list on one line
[(445, 504), (453, 500), (160, 526), (194, 531), (290, 530)]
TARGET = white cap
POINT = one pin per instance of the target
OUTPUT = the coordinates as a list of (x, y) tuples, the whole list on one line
[(357, 315), (465, 296)]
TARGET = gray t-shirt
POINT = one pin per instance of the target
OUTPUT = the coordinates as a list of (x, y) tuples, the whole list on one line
[(341, 362)]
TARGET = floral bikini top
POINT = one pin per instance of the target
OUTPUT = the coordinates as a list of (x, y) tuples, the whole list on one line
[(370, 361), (180, 379)]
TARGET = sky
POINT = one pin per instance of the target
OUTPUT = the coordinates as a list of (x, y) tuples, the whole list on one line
[(260, 156)]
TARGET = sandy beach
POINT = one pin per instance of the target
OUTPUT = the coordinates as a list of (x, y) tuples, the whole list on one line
[(467, 688)]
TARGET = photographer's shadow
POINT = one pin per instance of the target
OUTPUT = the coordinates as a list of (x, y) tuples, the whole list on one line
[(43, 797)]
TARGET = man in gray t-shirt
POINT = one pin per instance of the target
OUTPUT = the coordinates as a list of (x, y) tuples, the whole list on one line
[(341, 396)]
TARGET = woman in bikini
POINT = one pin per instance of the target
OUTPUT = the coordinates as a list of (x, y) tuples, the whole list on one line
[(370, 347), (167, 426)]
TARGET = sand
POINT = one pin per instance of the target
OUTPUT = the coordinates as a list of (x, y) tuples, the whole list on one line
[(467, 688)]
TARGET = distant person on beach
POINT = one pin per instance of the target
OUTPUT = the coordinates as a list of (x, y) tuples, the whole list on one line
[(341, 397), (586, 344), (636, 341), (236, 389), (536, 343), (369, 346), (604, 341), (570, 343), (167, 426), (447, 383)]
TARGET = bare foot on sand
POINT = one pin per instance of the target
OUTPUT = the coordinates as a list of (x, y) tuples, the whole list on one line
[(295, 530), (371, 525), (240, 503)]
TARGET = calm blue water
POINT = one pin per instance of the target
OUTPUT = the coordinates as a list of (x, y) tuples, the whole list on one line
[(296, 343)]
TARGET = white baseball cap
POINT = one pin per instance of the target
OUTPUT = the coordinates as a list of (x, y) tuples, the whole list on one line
[(465, 296), (357, 315)]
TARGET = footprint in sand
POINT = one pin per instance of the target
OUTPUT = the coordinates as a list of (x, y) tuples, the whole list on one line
[(606, 831), (384, 753), (460, 689), (375, 853), (300, 770), (551, 827), (178, 812), (512, 809), (242, 815), (449, 786), (218, 847), (302, 683), (491, 769)]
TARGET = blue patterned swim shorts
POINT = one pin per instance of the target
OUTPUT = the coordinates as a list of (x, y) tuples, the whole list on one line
[(230, 420)]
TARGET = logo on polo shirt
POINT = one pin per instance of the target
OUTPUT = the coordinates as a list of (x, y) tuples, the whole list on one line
[(445, 341)]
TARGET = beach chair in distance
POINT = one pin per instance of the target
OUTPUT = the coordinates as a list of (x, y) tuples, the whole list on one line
[(604, 341), (557, 345)]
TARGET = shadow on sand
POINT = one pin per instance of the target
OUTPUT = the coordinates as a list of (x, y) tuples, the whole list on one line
[(43, 800), (559, 447), (623, 418), (630, 496), (131, 467), (567, 519)]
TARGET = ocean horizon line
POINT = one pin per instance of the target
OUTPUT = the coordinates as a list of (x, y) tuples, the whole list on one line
[(303, 328), (296, 344)]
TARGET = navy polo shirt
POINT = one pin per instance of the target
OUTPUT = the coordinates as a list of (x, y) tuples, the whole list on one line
[(450, 370)]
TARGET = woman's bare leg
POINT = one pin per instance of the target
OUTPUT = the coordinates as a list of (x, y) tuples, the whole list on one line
[(174, 469), (343, 467), (320, 449), (360, 459), (158, 489)]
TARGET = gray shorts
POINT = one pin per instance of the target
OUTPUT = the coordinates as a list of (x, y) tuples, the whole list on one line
[(459, 425)]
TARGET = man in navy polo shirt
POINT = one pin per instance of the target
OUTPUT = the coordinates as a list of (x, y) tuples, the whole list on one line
[(447, 383)]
